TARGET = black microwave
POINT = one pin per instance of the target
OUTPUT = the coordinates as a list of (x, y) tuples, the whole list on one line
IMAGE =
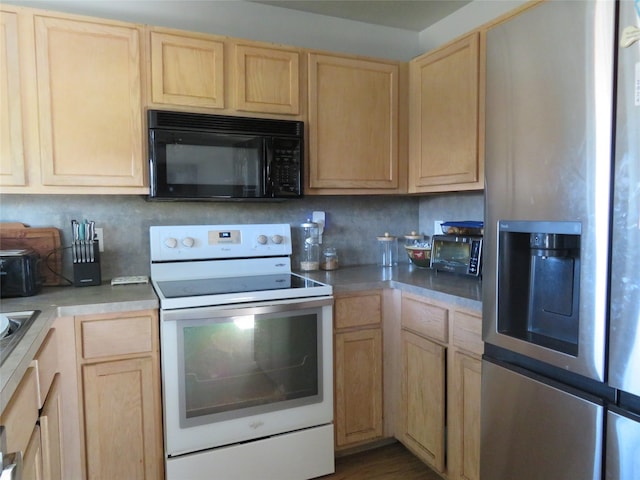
[(195, 156), (460, 254)]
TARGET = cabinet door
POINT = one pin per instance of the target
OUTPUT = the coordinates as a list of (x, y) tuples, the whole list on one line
[(90, 110), (21, 413), (464, 417), (51, 433), (353, 124), (358, 385), (423, 398), (445, 120), (32, 458), (12, 164), (267, 79), (187, 70), (120, 403)]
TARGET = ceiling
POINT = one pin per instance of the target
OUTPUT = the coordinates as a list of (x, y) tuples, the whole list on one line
[(414, 15)]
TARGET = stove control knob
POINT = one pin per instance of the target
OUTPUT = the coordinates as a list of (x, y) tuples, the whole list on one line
[(277, 239), (188, 242), (262, 239), (171, 242)]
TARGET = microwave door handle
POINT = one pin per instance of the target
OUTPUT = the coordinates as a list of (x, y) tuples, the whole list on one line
[(267, 158)]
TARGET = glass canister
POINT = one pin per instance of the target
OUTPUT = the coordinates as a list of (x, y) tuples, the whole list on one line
[(387, 250), (329, 259), (309, 246)]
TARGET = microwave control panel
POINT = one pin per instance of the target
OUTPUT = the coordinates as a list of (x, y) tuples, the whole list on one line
[(285, 168)]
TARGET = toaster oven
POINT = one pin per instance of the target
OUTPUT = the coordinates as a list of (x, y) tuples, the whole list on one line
[(461, 254), (19, 273)]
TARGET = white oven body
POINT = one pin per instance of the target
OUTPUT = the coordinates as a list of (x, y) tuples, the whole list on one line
[(204, 412)]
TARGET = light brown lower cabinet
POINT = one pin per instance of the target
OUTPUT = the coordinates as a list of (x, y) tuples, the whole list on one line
[(465, 365), (423, 398), (358, 368), (358, 386), (464, 417), (32, 419), (51, 418), (32, 457), (441, 347), (119, 415), (118, 355)]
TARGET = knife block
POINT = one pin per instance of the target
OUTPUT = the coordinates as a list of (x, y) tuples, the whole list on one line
[(86, 274)]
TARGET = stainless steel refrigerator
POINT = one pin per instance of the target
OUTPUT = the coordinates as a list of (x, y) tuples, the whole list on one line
[(561, 284)]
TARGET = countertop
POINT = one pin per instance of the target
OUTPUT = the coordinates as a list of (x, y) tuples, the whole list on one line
[(458, 290), (54, 302)]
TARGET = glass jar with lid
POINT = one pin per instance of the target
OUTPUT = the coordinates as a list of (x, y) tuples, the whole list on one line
[(309, 246), (329, 260), (387, 250)]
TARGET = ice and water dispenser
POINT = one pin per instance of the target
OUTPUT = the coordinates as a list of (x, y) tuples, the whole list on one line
[(539, 283)]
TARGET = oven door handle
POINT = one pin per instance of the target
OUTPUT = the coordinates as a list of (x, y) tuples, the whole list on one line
[(236, 310)]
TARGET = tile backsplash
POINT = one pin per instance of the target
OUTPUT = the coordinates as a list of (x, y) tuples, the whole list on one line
[(449, 207), (352, 223)]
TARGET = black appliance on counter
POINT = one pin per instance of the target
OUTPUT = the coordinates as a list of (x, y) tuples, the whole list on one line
[(561, 286), (19, 273)]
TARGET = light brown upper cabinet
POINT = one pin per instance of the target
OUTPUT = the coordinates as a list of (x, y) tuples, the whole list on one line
[(73, 109), (187, 69), (354, 112), (446, 118), (12, 166), (90, 104), (214, 72), (267, 79)]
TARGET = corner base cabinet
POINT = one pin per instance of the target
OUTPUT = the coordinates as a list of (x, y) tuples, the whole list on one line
[(441, 348)]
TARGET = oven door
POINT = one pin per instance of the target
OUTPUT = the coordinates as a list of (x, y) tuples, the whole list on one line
[(237, 373)]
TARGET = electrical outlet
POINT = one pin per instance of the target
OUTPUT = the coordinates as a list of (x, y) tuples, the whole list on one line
[(100, 239), (437, 227), (319, 218)]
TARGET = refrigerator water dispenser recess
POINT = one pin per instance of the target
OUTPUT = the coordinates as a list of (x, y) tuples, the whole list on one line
[(539, 285)]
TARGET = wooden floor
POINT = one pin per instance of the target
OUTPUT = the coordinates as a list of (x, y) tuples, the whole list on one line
[(391, 462)]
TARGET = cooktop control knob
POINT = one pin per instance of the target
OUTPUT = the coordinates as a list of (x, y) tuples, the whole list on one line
[(171, 242), (277, 239), (262, 239), (188, 242)]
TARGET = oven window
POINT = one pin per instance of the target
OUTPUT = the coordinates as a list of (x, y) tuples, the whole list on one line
[(453, 253), (249, 364)]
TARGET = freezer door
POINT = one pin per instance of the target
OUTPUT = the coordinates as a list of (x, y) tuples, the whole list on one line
[(549, 110), (623, 446), (624, 347), (532, 430)]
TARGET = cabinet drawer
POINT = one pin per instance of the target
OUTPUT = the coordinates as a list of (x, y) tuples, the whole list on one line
[(46, 363), (425, 318), (467, 332), (358, 309), (21, 413), (116, 336)]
